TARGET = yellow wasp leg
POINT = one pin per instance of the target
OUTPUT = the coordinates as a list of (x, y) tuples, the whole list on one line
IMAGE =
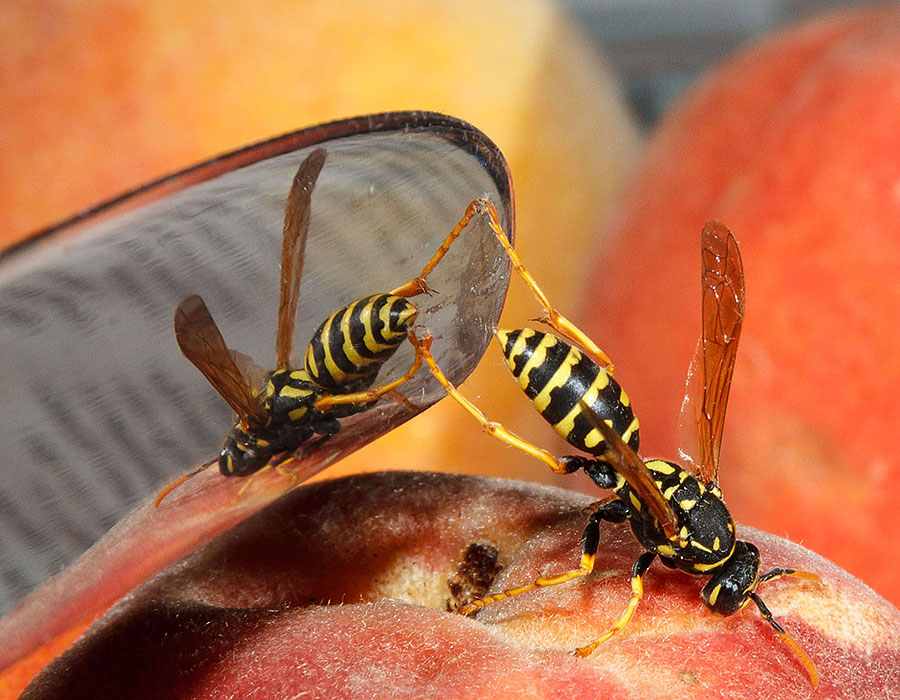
[(277, 466), (370, 395), (610, 509), (553, 318), (586, 567), (491, 427), (418, 285), (637, 593)]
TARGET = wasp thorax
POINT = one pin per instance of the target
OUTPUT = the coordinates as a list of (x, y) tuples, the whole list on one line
[(288, 397)]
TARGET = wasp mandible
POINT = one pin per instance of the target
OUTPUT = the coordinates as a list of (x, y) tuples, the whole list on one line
[(676, 512)]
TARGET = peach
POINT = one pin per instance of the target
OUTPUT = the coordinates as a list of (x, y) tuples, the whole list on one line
[(342, 590), (793, 144)]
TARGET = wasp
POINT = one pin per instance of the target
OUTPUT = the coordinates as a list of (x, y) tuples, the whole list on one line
[(298, 407), (675, 511)]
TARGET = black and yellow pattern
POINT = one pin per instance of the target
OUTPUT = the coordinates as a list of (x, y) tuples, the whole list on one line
[(705, 539), (676, 512), (298, 408), (343, 359), (560, 379), (352, 344)]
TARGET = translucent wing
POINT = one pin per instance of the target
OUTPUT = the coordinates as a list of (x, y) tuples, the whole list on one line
[(293, 246), (626, 462), (709, 377), (201, 342)]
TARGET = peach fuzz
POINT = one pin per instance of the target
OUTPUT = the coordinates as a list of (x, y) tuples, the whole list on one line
[(341, 590), (793, 144)]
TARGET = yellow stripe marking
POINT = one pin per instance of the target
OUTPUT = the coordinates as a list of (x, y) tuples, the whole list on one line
[(516, 351), (634, 500), (594, 437), (297, 414), (630, 430), (338, 375), (708, 567), (660, 467), (386, 333), (538, 358), (312, 367), (369, 339), (567, 424), (560, 377), (293, 392)]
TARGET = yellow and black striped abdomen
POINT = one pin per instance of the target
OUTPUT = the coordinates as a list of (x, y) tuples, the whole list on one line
[(557, 377), (348, 349)]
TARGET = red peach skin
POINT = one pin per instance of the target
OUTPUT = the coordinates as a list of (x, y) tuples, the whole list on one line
[(794, 144), (340, 590)]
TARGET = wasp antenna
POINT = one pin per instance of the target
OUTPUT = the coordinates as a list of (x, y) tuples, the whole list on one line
[(168, 488), (798, 651)]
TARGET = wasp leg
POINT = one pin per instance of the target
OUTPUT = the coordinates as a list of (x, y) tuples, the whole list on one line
[(251, 477), (172, 485), (801, 655), (403, 400), (611, 509), (553, 318), (637, 592), (278, 467), (370, 395), (493, 428), (418, 285)]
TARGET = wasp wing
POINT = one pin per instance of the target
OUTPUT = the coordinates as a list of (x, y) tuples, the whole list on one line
[(709, 377), (626, 462), (201, 342), (293, 247)]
